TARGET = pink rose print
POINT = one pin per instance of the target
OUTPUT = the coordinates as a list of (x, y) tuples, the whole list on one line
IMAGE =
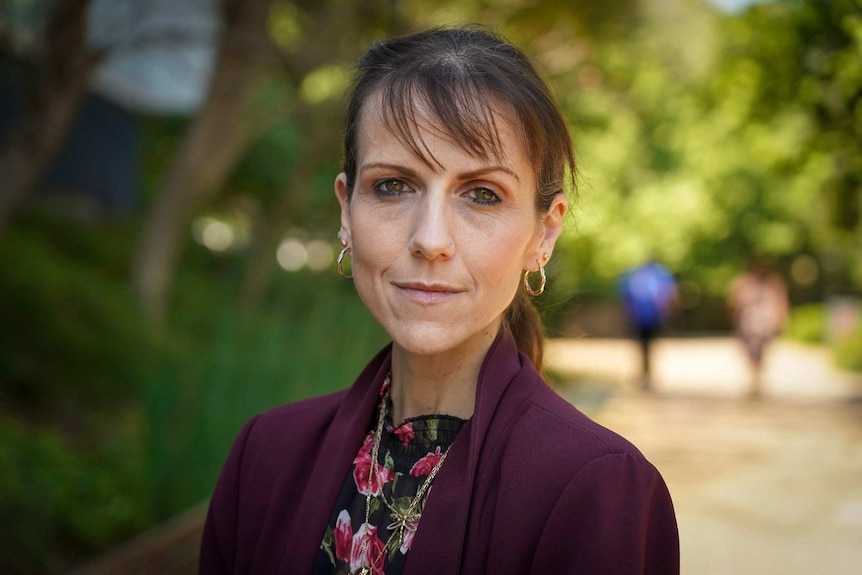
[(343, 535), (405, 432), (362, 471), (424, 465), (348, 545), (373, 550)]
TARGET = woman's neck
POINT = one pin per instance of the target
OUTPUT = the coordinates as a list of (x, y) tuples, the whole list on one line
[(436, 384)]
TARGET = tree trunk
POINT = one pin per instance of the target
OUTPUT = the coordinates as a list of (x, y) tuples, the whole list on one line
[(62, 80), (219, 134)]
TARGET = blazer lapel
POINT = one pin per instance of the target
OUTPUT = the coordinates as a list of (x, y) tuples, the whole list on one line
[(439, 542), (337, 452)]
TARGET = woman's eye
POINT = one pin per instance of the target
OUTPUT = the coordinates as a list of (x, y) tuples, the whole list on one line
[(391, 187), (484, 196)]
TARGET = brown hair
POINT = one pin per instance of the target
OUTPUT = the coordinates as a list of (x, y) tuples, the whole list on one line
[(458, 75)]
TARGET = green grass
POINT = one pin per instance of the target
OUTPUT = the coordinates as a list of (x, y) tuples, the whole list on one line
[(314, 341)]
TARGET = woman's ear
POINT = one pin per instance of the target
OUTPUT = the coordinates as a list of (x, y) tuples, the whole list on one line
[(341, 192), (549, 229)]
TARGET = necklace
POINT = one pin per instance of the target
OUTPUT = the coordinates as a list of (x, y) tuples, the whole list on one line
[(401, 520)]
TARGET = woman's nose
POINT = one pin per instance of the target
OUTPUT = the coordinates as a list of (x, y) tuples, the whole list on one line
[(432, 233)]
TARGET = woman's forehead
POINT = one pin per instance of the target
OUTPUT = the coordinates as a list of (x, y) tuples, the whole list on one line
[(476, 127)]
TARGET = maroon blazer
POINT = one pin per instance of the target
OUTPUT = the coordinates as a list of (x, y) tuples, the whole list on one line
[(531, 485)]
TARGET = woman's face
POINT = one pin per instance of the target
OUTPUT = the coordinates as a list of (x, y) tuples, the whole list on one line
[(438, 251)]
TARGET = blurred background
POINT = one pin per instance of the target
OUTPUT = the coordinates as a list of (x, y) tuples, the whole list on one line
[(167, 243)]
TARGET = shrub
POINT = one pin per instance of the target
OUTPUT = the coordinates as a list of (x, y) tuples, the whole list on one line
[(59, 502), (807, 323), (71, 336), (313, 339)]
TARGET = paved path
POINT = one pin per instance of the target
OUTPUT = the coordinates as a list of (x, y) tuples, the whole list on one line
[(760, 487), (707, 367)]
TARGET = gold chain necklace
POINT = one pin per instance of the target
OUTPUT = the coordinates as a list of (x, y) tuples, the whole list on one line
[(400, 520)]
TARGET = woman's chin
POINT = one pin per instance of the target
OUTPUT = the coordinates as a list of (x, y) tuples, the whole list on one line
[(424, 343), (441, 340)]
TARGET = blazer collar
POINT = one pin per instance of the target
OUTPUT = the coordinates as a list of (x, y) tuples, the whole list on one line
[(439, 542), (337, 452)]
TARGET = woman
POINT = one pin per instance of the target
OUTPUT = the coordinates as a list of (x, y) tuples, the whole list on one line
[(449, 454)]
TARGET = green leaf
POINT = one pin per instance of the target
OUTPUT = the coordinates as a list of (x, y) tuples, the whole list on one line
[(326, 545), (373, 506), (402, 504)]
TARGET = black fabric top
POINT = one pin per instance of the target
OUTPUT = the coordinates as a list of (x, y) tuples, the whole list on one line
[(408, 452)]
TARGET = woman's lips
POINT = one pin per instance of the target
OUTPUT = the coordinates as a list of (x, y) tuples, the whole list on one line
[(427, 293)]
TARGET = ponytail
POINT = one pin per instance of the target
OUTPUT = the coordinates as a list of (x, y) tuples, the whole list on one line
[(526, 326)]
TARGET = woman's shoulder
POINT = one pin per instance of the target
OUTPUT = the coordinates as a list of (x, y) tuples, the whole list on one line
[(536, 423), (564, 465), (290, 432), (552, 429), (303, 414)]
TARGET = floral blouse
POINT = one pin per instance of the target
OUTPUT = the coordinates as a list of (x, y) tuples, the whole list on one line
[(406, 456)]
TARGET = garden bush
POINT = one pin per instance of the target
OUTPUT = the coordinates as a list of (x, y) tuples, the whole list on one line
[(807, 323)]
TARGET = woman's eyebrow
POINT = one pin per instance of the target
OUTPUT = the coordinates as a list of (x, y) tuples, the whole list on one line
[(462, 176), (388, 166), (487, 170)]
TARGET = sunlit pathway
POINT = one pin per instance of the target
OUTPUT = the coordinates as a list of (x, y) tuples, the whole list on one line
[(707, 367), (761, 487)]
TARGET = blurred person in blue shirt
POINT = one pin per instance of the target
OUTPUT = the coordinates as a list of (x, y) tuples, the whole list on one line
[(649, 292)]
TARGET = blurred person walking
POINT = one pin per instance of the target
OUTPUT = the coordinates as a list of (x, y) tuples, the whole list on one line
[(649, 292), (758, 309)]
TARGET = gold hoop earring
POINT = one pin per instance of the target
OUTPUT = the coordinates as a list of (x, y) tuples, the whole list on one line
[(541, 288), (344, 252)]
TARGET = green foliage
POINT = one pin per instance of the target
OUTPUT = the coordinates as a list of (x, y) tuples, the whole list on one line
[(267, 167), (230, 364), (62, 297), (108, 427), (846, 339), (807, 323), (848, 352), (60, 502), (72, 349), (160, 140), (716, 145)]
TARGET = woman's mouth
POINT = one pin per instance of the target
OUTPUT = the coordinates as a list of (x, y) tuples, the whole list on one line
[(427, 293)]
